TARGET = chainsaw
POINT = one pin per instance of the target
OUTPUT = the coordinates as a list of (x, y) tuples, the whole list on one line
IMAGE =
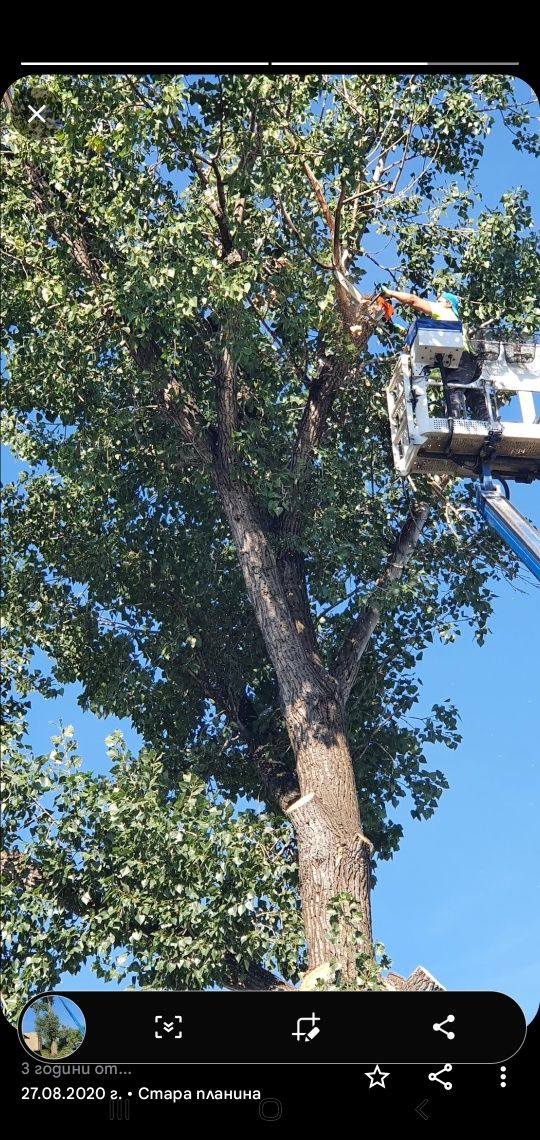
[(383, 309), (380, 308)]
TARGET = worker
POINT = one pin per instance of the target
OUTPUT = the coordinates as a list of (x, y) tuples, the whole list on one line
[(446, 308)]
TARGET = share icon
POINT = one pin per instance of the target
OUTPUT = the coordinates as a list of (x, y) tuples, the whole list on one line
[(437, 1077), (439, 1027)]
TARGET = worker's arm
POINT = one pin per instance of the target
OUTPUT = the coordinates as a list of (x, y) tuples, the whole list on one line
[(411, 299)]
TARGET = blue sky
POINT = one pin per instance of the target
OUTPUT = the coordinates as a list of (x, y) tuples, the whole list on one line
[(462, 896)]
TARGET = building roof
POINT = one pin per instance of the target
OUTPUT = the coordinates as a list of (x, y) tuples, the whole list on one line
[(419, 981)]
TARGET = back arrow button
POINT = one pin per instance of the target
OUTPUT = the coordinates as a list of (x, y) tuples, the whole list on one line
[(420, 1109)]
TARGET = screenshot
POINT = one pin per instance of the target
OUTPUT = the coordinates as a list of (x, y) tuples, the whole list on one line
[(270, 592)]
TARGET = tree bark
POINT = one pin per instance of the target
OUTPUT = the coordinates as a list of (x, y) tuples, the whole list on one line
[(334, 855)]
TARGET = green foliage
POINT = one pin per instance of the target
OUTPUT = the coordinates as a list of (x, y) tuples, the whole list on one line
[(120, 570), (151, 885), (69, 1040), (345, 923)]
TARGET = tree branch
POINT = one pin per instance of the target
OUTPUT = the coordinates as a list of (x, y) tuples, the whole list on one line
[(226, 404), (322, 394), (215, 205), (265, 588), (353, 106), (292, 567), (359, 633), (291, 582), (337, 250), (297, 234), (317, 190)]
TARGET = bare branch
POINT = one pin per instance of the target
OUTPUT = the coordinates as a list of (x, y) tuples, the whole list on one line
[(360, 630), (317, 190), (297, 234), (347, 98), (403, 157), (280, 346), (217, 206), (373, 188), (338, 253), (384, 268), (322, 393), (397, 103)]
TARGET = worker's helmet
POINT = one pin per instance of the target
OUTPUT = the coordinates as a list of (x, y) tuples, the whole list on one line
[(453, 301)]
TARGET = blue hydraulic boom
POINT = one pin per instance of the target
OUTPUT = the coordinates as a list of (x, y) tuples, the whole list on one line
[(513, 528)]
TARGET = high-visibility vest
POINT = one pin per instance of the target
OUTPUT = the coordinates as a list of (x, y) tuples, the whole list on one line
[(440, 313)]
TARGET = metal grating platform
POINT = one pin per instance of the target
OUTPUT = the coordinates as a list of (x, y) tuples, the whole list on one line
[(436, 444)]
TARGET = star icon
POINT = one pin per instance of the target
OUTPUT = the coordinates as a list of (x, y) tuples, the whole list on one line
[(377, 1077)]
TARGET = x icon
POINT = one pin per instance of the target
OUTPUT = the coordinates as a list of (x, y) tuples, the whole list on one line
[(37, 114)]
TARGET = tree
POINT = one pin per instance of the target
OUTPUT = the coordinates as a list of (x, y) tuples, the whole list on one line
[(210, 536), (69, 1040), (47, 1023)]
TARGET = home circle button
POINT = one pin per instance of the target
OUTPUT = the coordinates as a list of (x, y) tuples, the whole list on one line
[(270, 1109)]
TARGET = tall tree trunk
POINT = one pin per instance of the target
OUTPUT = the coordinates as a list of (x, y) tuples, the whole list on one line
[(334, 855)]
